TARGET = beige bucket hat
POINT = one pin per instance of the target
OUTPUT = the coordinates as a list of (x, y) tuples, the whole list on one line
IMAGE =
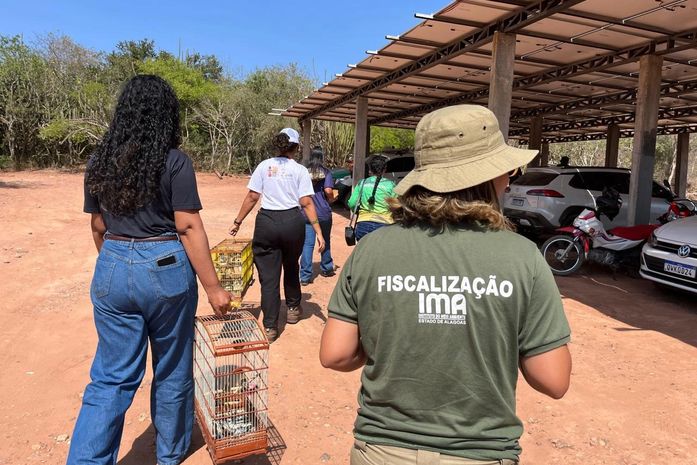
[(459, 147)]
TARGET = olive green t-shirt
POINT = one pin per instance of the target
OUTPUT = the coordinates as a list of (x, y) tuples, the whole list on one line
[(443, 320)]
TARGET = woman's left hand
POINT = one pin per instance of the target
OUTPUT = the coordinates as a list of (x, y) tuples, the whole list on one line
[(233, 229), (320, 243)]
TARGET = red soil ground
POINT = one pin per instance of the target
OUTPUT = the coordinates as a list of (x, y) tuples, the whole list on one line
[(634, 389)]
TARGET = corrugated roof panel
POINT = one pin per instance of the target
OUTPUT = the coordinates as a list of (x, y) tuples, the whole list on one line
[(589, 29)]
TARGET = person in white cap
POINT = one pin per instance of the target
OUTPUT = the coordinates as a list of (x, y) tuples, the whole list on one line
[(443, 307), (283, 185)]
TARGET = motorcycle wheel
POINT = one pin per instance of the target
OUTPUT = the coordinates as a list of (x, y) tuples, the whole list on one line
[(563, 255)]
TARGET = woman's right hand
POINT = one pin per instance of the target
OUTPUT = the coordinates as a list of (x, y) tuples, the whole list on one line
[(233, 229), (219, 299)]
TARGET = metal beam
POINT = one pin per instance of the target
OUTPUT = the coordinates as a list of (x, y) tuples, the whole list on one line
[(423, 76), (518, 59), (663, 45), (527, 33), (661, 131), (509, 23), (602, 18), (625, 97), (406, 95), (659, 47), (663, 113)]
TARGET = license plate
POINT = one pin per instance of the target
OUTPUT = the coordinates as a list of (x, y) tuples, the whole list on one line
[(680, 269), (518, 202)]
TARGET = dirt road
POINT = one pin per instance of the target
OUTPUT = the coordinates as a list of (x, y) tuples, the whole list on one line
[(634, 389)]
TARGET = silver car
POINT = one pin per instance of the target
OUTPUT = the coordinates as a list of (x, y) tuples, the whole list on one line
[(544, 199), (670, 255)]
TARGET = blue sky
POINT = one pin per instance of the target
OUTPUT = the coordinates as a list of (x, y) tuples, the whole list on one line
[(322, 37)]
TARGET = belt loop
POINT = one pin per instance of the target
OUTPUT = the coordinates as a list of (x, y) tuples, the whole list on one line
[(133, 241)]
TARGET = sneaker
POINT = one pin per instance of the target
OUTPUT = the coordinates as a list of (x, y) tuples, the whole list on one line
[(271, 334), (294, 314), (328, 274)]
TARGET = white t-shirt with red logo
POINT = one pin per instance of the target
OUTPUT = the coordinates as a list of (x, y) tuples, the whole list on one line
[(281, 183)]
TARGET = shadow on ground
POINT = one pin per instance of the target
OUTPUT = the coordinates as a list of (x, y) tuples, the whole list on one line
[(634, 301), (143, 449), (16, 185), (310, 309)]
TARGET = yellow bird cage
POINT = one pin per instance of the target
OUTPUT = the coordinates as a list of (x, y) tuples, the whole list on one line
[(234, 265)]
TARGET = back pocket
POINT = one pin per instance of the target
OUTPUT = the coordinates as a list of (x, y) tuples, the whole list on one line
[(101, 281), (170, 281)]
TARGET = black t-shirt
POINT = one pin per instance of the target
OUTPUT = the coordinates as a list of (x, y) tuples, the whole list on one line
[(177, 192)]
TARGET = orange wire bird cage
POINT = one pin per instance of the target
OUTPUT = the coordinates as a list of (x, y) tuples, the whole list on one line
[(231, 357), (234, 265)]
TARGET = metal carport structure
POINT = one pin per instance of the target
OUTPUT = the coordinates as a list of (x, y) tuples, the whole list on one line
[(551, 70)]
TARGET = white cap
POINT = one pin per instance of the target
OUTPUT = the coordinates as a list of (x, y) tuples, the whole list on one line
[(292, 134)]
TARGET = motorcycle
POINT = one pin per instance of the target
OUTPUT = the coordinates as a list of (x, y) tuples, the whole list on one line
[(678, 208), (588, 240)]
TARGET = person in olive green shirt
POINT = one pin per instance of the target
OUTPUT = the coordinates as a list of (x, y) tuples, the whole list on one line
[(443, 307), (372, 193)]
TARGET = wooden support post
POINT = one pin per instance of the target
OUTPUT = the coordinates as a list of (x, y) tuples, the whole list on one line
[(612, 146), (306, 139), (362, 133), (535, 142), (544, 154), (501, 84), (644, 146), (682, 153)]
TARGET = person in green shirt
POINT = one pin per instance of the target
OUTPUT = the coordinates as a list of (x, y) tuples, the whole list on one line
[(442, 308), (373, 193)]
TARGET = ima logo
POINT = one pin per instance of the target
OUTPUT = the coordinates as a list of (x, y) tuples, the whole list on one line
[(441, 308)]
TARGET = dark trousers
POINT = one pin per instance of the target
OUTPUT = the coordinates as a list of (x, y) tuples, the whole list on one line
[(277, 244)]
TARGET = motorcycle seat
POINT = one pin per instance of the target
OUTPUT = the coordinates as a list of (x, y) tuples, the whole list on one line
[(634, 233)]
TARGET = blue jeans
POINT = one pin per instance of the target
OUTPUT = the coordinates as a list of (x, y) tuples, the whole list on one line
[(135, 300), (326, 263), (365, 227)]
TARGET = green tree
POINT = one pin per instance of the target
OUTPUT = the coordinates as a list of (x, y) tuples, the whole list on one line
[(125, 61), (22, 72), (209, 66), (386, 139)]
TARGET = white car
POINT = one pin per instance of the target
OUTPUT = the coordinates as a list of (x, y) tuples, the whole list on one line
[(544, 199), (670, 255)]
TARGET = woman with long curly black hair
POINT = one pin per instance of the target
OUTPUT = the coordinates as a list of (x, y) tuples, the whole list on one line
[(141, 192)]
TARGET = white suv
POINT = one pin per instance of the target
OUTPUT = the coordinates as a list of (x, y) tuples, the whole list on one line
[(546, 198)]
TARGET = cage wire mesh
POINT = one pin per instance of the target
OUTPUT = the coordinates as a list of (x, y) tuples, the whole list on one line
[(231, 378)]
